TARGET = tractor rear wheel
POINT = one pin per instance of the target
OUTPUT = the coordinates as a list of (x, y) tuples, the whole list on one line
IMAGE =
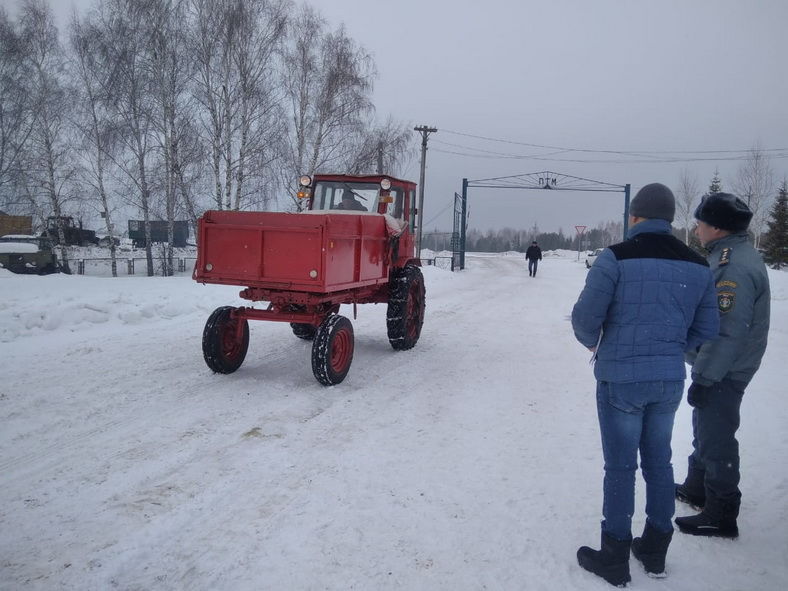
[(405, 314), (301, 330), (223, 350), (332, 350)]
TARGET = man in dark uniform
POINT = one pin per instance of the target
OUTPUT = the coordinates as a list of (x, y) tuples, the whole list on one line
[(533, 255), (722, 368)]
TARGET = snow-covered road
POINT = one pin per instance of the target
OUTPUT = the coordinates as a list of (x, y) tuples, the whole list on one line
[(470, 462)]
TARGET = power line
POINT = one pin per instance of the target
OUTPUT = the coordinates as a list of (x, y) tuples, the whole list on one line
[(783, 152), (606, 161)]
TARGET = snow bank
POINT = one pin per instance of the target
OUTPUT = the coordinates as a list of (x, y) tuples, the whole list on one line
[(469, 462)]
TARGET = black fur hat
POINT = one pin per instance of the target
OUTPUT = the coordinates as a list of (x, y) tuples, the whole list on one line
[(724, 211)]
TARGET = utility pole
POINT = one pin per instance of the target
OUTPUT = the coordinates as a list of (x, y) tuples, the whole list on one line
[(380, 156), (425, 131)]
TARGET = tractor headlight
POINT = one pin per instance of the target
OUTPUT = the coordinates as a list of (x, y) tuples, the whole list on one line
[(305, 180), (385, 184)]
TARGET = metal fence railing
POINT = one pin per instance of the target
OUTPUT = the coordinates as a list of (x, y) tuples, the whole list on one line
[(102, 267), (442, 262)]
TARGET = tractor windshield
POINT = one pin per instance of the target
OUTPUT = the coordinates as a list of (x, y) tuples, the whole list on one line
[(338, 195)]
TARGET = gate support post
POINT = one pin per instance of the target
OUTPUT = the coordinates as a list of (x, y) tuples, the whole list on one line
[(626, 210), (462, 222)]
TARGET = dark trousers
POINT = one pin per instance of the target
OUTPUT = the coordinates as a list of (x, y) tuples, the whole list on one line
[(714, 463), (532, 264)]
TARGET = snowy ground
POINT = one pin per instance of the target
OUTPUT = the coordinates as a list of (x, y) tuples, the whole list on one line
[(470, 462)]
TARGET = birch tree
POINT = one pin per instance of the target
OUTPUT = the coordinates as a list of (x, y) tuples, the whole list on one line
[(384, 149), (342, 96), (94, 121), (130, 93), (686, 197), (260, 30), (236, 47), (170, 72), (48, 167), (328, 82), (16, 120), (754, 184), (300, 68)]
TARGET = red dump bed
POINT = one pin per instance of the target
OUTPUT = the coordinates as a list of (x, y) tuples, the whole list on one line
[(309, 252)]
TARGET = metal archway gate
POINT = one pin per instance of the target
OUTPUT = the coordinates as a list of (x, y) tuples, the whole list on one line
[(551, 181)]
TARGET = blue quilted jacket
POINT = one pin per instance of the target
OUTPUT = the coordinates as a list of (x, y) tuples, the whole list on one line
[(646, 301)]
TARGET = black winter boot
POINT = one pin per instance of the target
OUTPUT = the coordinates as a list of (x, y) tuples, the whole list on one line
[(693, 490), (650, 549), (611, 562), (704, 524), (685, 495)]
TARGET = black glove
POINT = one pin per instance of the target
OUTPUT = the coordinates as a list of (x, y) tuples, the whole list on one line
[(698, 395)]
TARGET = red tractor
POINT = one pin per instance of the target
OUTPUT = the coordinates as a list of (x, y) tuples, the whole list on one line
[(354, 244)]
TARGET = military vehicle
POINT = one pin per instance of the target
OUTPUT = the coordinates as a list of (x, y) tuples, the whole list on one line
[(21, 253)]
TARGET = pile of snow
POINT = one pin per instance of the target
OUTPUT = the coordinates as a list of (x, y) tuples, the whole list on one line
[(472, 461)]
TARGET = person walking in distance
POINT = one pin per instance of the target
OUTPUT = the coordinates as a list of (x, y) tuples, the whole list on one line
[(722, 368), (646, 301), (533, 255)]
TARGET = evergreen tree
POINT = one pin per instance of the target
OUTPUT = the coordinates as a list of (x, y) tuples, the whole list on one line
[(716, 183), (776, 241)]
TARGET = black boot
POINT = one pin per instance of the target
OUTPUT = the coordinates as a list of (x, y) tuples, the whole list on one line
[(694, 500), (611, 562), (693, 490), (704, 524), (651, 548)]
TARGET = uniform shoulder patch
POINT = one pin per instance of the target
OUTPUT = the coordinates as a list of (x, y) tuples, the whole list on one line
[(726, 283), (726, 301), (725, 256)]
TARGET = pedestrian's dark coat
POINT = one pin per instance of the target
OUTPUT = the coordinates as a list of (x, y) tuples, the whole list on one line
[(533, 253)]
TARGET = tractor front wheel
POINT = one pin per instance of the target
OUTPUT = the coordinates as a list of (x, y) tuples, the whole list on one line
[(405, 314), (224, 350), (332, 350)]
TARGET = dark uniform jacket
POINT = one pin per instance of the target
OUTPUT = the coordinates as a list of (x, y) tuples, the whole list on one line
[(646, 301), (743, 296), (533, 253)]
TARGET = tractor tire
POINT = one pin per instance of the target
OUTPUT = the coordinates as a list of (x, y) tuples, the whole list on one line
[(332, 350), (303, 331), (405, 314), (223, 351)]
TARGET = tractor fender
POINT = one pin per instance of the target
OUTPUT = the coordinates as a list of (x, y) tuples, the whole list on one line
[(402, 263)]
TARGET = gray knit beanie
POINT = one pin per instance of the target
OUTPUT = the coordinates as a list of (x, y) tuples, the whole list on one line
[(654, 201)]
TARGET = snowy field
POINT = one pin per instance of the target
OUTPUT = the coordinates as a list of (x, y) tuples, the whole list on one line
[(470, 462)]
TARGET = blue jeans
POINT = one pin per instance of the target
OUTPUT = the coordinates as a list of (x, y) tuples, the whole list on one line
[(532, 264), (632, 417)]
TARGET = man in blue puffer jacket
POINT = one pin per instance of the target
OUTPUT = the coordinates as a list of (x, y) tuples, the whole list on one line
[(646, 302)]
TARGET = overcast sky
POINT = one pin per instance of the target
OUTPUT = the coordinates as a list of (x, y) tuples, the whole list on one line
[(631, 76)]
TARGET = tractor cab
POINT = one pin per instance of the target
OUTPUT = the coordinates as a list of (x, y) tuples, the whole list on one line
[(358, 194)]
